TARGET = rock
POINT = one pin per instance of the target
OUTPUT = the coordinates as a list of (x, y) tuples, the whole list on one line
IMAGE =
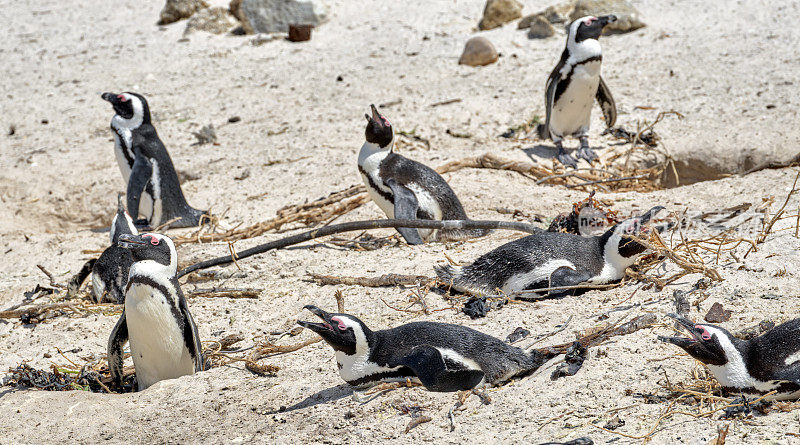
[(498, 12), (300, 33), (175, 10), (540, 28), (717, 314), (213, 20), (559, 13), (267, 16), (478, 51), (627, 16)]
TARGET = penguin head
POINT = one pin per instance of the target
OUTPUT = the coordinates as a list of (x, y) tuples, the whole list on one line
[(345, 333), (589, 27), (623, 232), (379, 130), (708, 344), (130, 107), (122, 223), (151, 247)]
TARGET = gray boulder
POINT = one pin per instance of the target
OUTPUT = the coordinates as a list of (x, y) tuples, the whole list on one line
[(627, 16), (267, 16), (540, 28)]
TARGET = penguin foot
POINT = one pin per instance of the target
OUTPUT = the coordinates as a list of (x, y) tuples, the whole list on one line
[(567, 159), (586, 153)]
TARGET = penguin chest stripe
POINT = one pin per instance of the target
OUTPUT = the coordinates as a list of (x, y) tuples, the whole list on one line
[(357, 369), (522, 280), (792, 358)]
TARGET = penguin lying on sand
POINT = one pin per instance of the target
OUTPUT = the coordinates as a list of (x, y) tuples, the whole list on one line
[(552, 259), (154, 191), (572, 87), (406, 189), (443, 357), (110, 271), (155, 320), (757, 366)]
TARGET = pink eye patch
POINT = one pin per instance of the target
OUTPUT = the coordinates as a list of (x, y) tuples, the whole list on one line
[(122, 98), (589, 20), (705, 335), (342, 326), (153, 240)]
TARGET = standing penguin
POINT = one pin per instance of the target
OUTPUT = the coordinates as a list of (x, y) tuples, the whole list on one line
[(155, 320), (110, 271), (154, 191), (572, 87), (406, 189), (767, 363), (552, 259), (443, 357)]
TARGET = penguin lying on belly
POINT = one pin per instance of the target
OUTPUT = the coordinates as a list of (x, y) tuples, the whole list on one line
[(406, 189), (443, 357), (154, 192), (573, 86), (767, 363), (155, 320), (552, 259)]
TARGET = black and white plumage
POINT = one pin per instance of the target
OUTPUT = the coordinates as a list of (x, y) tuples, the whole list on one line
[(407, 189), (443, 357), (573, 86), (110, 271), (551, 259), (156, 320), (757, 366), (154, 194)]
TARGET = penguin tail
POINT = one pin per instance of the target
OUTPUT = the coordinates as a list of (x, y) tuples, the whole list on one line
[(454, 278)]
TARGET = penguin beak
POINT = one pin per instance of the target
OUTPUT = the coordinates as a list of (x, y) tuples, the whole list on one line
[(319, 328), (128, 241), (650, 214), (375, 115), (606, 19), (683, 342), (110, 97)]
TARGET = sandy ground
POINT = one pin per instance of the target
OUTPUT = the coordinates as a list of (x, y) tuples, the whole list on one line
[(299, 134)]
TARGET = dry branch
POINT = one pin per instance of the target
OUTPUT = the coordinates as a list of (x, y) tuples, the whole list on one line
[(387, 280)]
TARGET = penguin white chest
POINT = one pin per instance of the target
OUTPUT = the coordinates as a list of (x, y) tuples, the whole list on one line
[(572, 112), (120, 152), (369, 162), (156, 339)]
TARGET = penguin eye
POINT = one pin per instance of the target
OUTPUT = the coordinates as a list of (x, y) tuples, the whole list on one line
[(340, 325), (589, 21), (386, 121), (122, 98)]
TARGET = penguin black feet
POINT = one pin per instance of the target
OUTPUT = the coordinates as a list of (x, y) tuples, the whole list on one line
[(585, 152), (565, 158)]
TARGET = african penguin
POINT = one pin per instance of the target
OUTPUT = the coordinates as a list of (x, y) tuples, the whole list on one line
[(406, 189), (572, 87), (443, 357), (110, 271), (156, 321), (154, 192), (757, 366), (552, 259)]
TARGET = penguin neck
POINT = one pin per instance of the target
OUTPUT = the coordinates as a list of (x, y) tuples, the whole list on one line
[(122, 125), (614, 263), (582, 51), (154, 269), (734, 373), (371, 155)]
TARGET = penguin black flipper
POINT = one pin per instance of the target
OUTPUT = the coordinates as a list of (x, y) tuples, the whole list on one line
[(118, 338), (606, 102), (405, 207), (566, 276), (140, 176), (550, 96), (191, 337), (429, 366)]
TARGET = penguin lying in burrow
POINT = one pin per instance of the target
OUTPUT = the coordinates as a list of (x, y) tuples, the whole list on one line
[(442, 357), (769, 362), (553, 259)]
